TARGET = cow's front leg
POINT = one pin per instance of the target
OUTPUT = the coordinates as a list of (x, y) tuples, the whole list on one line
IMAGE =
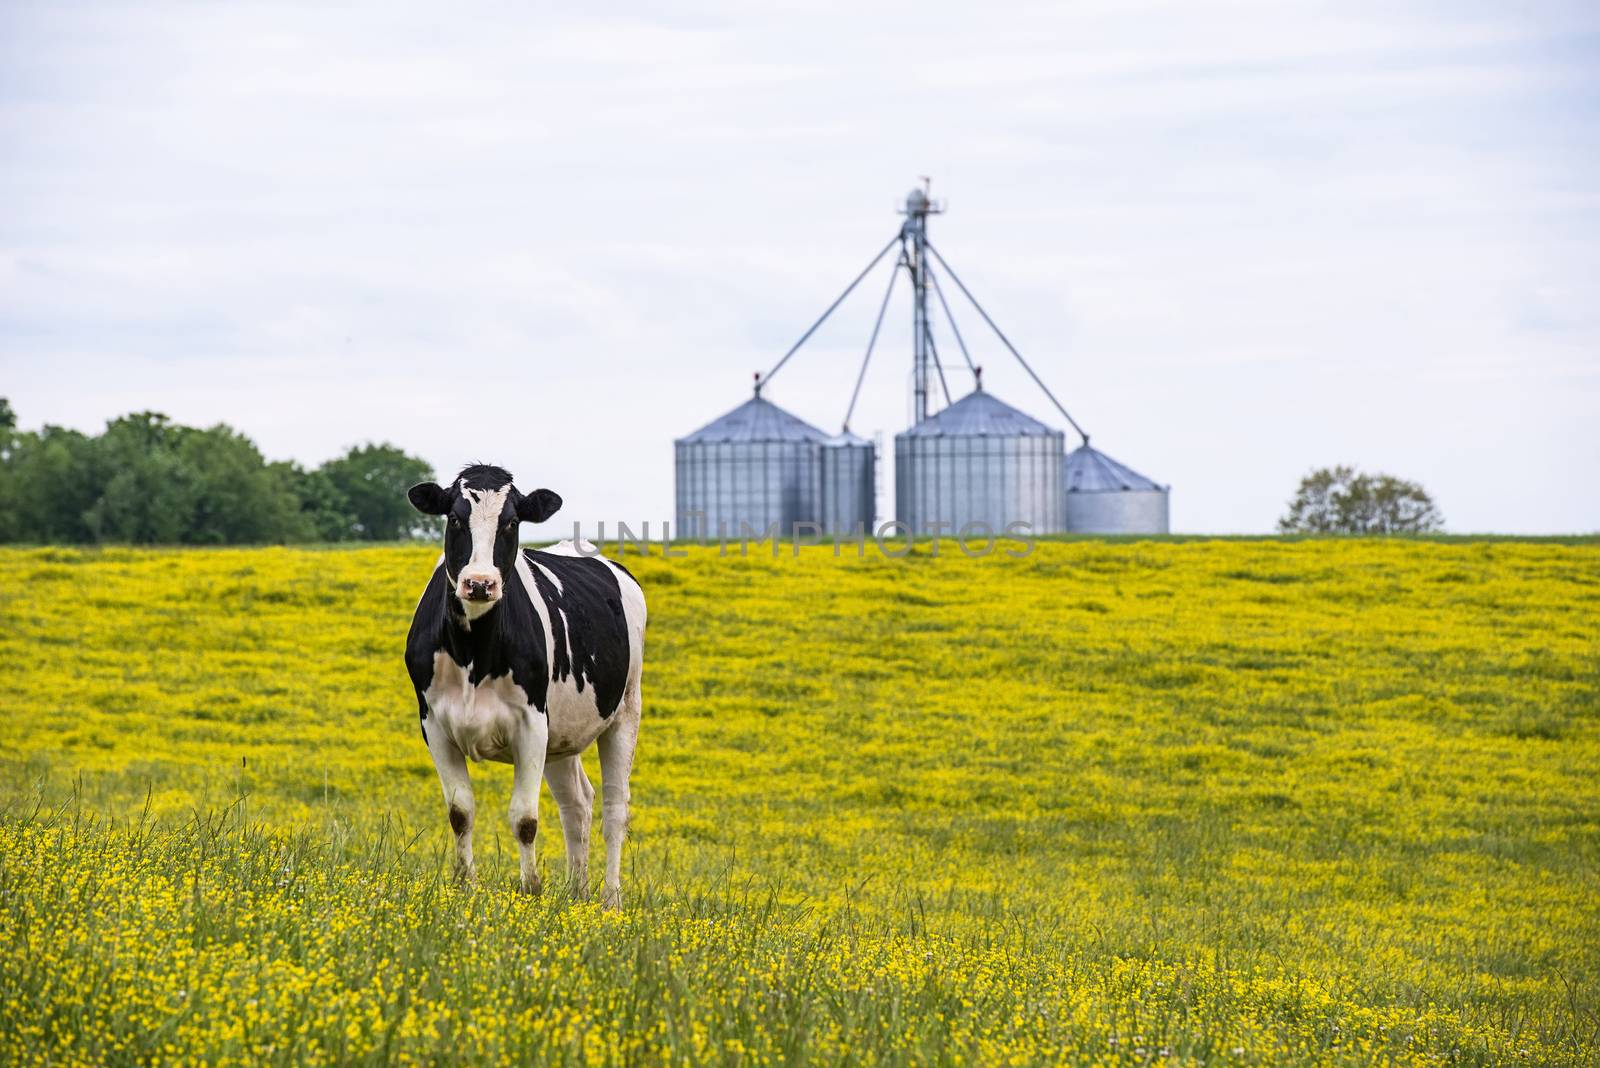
[(451, 764), (529, 763)]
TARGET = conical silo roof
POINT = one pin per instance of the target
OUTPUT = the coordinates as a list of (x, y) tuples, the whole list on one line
[(979, 414), (757, 419), (1091, 471)]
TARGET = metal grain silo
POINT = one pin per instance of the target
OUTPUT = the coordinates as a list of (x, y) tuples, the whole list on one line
[(757, 465), (980, 461), (849, 488), (1101, 496)]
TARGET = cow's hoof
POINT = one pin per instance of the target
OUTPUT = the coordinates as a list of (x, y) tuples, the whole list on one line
[(466, 878), (611, 897), (535, 885)]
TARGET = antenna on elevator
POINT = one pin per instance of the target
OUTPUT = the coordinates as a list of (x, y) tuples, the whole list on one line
[(914, 243)]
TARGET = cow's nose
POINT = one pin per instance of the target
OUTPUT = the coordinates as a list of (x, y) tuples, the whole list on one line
[(480, 589)]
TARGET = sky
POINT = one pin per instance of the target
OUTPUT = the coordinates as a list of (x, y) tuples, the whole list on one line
[(1238, 240)]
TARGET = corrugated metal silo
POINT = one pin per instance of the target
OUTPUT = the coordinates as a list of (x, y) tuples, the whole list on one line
[(757, 465), (1101, 496), (849, 488), (979, 461)]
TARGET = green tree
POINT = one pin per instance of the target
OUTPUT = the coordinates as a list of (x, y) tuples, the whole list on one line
[(149, 480), (8, 429), (237, 498), (1342, 500), (164, 483), (373, 480), (325, 513), (147, 494), (48, 488), (10, 514)]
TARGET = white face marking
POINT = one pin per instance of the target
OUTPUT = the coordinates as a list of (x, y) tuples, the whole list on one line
[(483, 525)]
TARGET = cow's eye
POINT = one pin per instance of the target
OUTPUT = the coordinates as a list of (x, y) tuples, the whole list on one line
[(509, 525)]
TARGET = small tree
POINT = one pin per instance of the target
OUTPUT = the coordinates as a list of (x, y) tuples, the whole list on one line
[(1342, 500), (372, 481)]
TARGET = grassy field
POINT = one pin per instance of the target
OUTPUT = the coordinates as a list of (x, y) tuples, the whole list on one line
[(1195, 802)]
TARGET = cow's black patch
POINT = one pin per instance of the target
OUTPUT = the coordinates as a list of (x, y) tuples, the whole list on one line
[(483, 476), (527, 830), (424, 638), (458, 821), (506, 640), (586, 617)]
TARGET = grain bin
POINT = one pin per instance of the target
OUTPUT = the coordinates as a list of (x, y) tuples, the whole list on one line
[(849, 488), (1101, 496), (978, 461), (754, 467)]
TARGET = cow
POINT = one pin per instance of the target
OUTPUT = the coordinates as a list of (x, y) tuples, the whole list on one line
[(526, 657)]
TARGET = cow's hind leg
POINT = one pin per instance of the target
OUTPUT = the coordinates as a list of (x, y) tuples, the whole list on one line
[(528, 759), (451, 764), (574, 795), (616, 764)]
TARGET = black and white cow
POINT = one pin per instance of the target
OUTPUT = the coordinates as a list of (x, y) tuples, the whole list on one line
[(526, 657)]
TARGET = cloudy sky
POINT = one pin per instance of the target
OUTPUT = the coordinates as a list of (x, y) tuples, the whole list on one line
[(1240, 240)]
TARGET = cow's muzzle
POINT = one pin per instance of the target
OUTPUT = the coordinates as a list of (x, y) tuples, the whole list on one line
[(486, 589)]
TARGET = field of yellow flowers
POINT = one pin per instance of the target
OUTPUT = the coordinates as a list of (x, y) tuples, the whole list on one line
[(1162, 802)]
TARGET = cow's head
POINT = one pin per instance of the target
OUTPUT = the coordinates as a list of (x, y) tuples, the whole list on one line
[(482, 510)]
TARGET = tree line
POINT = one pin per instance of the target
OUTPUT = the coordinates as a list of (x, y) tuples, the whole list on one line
[(149, 480)]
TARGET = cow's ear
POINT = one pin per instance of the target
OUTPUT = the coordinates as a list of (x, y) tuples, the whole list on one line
[(429, 498), (538, 506)]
